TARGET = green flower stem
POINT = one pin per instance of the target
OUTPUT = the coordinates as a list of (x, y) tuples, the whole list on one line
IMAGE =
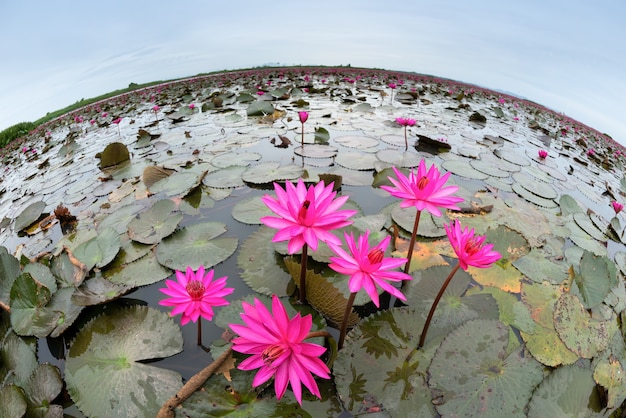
[(406, 141), (344, 321), (303, 274), (316, 334), (435, 303), (302, 136), (412, 243)]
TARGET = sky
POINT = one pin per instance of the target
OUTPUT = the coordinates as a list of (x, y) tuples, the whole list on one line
[(569, 56)]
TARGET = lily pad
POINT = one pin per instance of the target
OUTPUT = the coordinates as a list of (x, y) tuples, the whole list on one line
[(260, 108), (567, 392), (360, 142), (225, 178), (9, 270), (476, 375), (356, 161), (99, 250), (582, 334), (105, 370), (97, 290), (196, 245), (250, 211), (316, 151), (29, 215), (178, 184), (151, 226), (44, 385), (27, 299), (260, 264), (271, 171), (380, 370), (399, 158), (461, 168), (231, 158), (114, 154), (141, 272)]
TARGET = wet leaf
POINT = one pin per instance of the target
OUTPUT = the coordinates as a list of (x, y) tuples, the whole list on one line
[(28, 298), (9, 270), (12, 402), (104, 372), (114, 154), (196, 245), (271, 171), (476, 376), (44, 385), (225, 178), (100, 250), (568, 391), (396, 385), (19, 358), (260, 264), (260, 108), (250, 211), (151, 226), (29, 215), (582, 334), (597, 277), (97, 290)]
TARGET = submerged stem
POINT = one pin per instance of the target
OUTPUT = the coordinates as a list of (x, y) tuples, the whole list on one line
[(344, 321), (435, 303), (412, 243), (303, 274)]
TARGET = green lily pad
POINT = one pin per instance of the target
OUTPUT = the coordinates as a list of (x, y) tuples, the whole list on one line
[(477, 376), (321, 135), (27, 299), (356, 160), (260, 264), (585, 224), (513, 156), (380, 370), (12, 402), (119, 219), (538, 266), (43, 387), (114, 154), (151, 226), (582, 334), (405, 218), (546, 347), (532, 197), (610, 374), (142, 272), (231, 158), (42, 274), (225, 178), (487, 167), (105, 373), (196, 245), (512, 311), (9, 270), (97, 290), (316, 151), (19, 358), (567, 392), (537, 187), (598, 275), (271, 171), (569, 205), (399, 158), (260, 108), (100, 250), (29, 215), (178, 184), (461, 168), (360, 142), (250, 211), (56, 317)]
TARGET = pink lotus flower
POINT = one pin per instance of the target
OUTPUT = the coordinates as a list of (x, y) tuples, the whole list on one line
[(469, 247), (617, 207), (543, 154), (405, 122), (304, 116), (306, 215), (155, 108), (192, 106), (195, 294), (392, 85), (424, 190), (277, 345), (368, 268), (117, 121), (260, 93)]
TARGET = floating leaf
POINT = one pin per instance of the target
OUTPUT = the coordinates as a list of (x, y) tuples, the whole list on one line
[(461, 168), (97, 290), (545, 345), (425, 254), (597, 277), (225, 178), (537, 266), (100, 250), (477, 376), (154, 173), (399, 158), (321, 294), (569, 205), (19, 358), (12, 402), (260, 108), (9, 270), (178, 184), (29, 215), (151, 226), (271, 171), (380, 370), (567, 392), (356, 161), (196, 245), (27, 299), (260, 264), (105, 373), (610, 374), (114, 154), (119, 219), (141, 272), (58, 315), (316, 151), (582, 334), (228, 159), (250, 211), (44, 385)]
